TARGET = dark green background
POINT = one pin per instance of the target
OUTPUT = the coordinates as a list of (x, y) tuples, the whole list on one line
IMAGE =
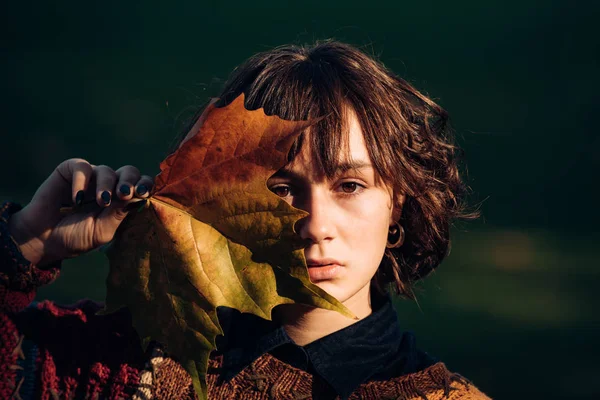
[(513, 307)]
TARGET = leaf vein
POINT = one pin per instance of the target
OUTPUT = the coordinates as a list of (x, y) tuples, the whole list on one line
[(202, 265)]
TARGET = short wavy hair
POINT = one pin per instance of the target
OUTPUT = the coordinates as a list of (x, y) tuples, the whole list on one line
[(407, 135)]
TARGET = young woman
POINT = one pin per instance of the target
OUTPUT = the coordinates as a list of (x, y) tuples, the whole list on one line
[(378, 176)]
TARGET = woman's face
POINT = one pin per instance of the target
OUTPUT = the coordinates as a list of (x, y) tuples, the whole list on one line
[(349, 217)]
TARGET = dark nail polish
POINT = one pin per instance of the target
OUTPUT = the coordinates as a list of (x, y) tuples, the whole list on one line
[(142, 190), (79, 198), (124, 189), (105, 196)]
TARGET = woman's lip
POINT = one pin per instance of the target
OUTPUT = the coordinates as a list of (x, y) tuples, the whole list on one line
[(323, 272), (317, 262)]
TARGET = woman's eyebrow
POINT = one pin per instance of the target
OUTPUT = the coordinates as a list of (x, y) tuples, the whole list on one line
[(339, 169), (286, 173), (346, 166)]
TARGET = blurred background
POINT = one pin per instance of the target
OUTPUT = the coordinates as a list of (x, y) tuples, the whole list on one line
[(512, 308)]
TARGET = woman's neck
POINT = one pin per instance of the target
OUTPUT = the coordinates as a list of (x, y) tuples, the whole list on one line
[(305, 324)]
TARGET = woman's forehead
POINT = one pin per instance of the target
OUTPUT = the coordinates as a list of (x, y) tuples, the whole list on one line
[(351, 153)]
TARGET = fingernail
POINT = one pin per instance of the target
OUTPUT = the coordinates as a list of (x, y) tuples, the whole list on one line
[(79, 198), (105, 196), (142, 190), (124, 189)]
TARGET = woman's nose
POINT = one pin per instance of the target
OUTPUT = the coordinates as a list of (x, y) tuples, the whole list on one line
[(317, 226)]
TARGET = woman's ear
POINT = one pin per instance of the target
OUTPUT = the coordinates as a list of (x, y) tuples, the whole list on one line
[(397, 205)]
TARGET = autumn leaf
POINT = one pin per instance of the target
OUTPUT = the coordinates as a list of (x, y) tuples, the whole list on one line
[(212, 234)]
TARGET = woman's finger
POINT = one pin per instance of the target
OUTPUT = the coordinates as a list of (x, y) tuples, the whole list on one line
[(144, 186), (106, 179), (107, 222), (82, 174), (77, 173), (128, 176)]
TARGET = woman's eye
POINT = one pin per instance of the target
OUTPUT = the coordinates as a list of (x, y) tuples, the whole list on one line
[(281, 191), (349, 187)]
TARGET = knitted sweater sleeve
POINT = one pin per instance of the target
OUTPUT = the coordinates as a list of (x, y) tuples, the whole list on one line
[(49, 351), (19, 278)]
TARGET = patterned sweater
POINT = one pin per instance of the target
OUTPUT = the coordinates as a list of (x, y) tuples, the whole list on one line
[(49, 351)]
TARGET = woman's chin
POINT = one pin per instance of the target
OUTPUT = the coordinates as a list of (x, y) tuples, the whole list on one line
[(332, 289)]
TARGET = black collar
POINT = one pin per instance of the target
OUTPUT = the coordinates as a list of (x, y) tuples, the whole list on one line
[(344, 359)]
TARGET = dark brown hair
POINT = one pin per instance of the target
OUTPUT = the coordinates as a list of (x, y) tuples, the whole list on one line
[(407, 136)]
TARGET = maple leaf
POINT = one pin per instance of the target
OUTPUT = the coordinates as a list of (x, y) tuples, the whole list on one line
[(212, 234)]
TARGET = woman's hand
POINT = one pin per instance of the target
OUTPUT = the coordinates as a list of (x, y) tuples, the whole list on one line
[(78, 208)]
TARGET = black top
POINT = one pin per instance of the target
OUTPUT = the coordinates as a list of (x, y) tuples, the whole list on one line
[(373, 348)]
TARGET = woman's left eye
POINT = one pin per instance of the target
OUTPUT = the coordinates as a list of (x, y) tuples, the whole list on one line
[(349, 187)]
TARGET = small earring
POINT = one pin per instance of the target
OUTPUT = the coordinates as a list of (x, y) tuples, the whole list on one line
[(396, 234)]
